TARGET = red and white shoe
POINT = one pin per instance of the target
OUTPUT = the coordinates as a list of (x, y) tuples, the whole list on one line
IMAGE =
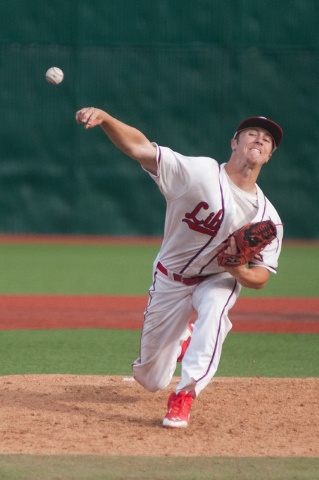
[(178, 413), (186, 341)]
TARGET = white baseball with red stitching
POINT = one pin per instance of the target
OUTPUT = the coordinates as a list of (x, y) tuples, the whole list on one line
[(54, 75)]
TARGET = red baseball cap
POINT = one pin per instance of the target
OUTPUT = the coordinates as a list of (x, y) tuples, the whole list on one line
[(262, 122)]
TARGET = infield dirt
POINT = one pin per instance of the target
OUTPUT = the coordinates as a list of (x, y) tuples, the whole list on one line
[(62, 414), (261, 315)]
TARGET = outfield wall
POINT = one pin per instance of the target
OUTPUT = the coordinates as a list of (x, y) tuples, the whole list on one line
[(184, 72)]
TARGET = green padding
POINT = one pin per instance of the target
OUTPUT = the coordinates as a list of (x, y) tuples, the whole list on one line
[(185, 74), (112, 352)]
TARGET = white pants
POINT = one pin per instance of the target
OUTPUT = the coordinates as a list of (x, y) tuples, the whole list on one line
[(166, 318)]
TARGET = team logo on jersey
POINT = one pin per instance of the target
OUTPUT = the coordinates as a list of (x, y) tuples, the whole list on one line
[(209, 225)]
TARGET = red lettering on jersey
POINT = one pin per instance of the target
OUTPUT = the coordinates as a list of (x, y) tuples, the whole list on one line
[(209, 225)]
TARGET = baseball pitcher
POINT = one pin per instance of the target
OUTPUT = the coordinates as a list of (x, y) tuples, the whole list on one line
[(221, 233)]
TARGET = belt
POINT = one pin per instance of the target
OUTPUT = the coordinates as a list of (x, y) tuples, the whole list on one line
[(179, 278)]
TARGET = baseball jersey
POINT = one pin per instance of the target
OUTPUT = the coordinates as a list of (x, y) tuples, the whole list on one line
[(203, 208)]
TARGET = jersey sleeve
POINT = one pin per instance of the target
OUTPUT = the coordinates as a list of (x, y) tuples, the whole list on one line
[(175, 172)]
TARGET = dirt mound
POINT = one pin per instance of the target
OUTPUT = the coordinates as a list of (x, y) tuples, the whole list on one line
[(100, 415)]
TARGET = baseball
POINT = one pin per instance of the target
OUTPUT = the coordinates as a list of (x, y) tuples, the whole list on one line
[(54, 75)]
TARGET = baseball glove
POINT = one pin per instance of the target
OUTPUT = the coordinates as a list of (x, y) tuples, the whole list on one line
[(250, 240)]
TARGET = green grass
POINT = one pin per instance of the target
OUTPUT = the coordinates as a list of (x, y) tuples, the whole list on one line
[(297, 275), (76, 269), (77, 352), (76, 467), (127, 270), (112, 352), (270, 355)]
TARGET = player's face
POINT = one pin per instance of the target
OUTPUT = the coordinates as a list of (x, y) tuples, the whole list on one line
[(256, 144)]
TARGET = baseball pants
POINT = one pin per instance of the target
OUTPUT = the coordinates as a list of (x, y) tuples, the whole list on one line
[(166, 318)]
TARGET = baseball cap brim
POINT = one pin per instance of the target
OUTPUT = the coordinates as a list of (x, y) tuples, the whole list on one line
[(262, 122)]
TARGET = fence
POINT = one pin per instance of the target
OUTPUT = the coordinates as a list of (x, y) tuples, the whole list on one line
[(186, 73)]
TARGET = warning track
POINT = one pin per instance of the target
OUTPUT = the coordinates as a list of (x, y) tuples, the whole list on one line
[(260, 315)]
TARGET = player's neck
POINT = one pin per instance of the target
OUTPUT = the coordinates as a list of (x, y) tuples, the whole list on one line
[(243, 178)]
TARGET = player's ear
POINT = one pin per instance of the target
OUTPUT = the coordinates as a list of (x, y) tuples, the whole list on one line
[(233, 143)]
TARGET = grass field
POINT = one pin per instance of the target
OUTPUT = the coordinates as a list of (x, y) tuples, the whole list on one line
[(111, 352), (126, 270), (27, 467)]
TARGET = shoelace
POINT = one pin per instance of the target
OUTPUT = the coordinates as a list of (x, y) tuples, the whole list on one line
[(178, 404)]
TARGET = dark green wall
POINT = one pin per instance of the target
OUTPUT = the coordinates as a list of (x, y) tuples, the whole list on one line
[(184, 72)]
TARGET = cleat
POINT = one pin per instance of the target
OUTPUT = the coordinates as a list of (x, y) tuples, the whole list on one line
[(178, 413)]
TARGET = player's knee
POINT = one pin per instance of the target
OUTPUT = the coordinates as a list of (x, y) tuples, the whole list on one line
[(149, 380), (151, 384)]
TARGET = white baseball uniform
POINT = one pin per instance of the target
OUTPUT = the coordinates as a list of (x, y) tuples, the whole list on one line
[(203, 208)]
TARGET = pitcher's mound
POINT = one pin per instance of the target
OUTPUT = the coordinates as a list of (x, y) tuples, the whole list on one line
[(97, 415)]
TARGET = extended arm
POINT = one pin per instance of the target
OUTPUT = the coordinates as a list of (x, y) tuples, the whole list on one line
[(128, 139)]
